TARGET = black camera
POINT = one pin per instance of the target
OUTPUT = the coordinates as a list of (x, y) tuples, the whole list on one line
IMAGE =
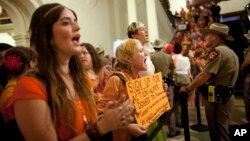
[(168, 80), (164, 79)]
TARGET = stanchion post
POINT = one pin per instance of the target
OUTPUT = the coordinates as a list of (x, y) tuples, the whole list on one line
[(184, 115), (198, 127)]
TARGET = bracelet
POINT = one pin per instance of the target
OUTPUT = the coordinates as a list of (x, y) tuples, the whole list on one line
[(93, 133)]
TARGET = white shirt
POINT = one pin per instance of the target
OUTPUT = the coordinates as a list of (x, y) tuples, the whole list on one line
[(148, 48), (150, 67), (182, 64)]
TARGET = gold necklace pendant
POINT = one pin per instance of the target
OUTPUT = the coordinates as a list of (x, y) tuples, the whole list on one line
[(85, 121), (84, 117)]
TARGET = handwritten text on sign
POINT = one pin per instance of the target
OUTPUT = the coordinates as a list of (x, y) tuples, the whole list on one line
[(149, 98)]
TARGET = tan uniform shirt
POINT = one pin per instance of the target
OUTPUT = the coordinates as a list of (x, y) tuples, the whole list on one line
[(163, 62), (224, 64)]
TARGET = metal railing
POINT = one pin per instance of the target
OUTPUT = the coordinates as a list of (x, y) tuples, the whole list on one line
[(5, 20)]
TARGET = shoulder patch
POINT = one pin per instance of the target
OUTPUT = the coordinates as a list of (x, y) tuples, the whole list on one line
[(212, 55)]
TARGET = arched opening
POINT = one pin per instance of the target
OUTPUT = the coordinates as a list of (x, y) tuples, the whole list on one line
[(20, 13)]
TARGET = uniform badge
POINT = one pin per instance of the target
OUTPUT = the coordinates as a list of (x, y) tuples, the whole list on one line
[(212, 55)]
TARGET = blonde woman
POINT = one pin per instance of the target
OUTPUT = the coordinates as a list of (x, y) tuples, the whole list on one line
[(131, 59)]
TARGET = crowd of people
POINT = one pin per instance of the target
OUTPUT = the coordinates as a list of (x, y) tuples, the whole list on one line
[(80, 94)]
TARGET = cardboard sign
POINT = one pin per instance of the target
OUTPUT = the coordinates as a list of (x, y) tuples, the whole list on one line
[(149, 98)]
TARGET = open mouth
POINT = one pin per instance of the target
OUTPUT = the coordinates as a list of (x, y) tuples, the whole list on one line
[(76, 39), (145, 60)]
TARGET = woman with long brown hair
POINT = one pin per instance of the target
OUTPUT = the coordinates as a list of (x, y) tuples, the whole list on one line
[(64, 108)]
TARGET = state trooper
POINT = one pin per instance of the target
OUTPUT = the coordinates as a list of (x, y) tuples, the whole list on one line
[(217, 81)]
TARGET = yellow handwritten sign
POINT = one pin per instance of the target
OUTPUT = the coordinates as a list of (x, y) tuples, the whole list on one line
[(149, 98)]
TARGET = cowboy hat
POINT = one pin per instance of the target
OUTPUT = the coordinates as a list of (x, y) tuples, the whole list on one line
[(247, 35), (158, 44), (219, 29)]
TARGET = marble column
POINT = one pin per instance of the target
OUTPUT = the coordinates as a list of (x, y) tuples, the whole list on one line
[(132, 15), (152, 20), (22, 40)]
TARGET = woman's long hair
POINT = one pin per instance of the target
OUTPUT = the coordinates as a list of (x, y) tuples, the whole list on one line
[(62, 107), (97, 62)]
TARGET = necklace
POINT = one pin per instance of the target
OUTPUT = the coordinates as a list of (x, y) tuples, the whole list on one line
[(84, 117), (70, 88), (75, 98)]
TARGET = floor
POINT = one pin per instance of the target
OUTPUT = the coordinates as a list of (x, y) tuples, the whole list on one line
[(238, 117)]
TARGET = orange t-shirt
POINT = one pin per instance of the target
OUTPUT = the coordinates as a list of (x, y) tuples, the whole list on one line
[(91, 83), (112, 91), (29, 87)]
